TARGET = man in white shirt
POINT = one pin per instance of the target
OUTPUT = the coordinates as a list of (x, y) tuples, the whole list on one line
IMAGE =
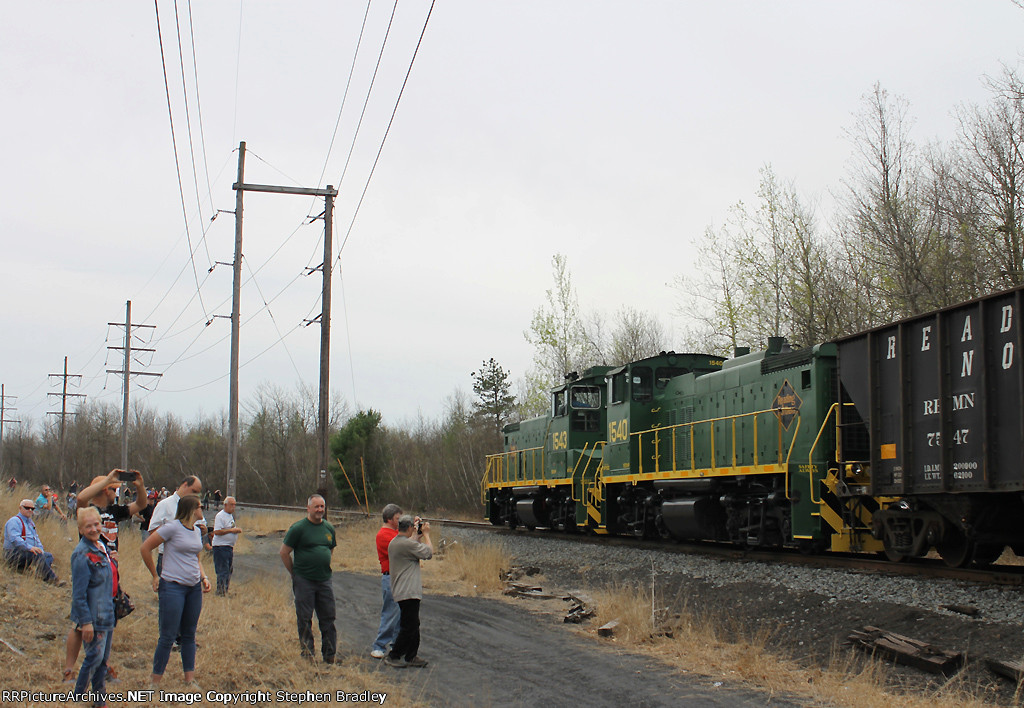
[(225, 533), (167, 508)]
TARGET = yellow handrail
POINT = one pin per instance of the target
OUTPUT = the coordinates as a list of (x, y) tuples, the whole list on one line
[(590, 458), (690, 427), (504, 462), (810, 455)]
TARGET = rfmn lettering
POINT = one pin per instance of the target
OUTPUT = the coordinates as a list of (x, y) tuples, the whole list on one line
[(961, 401)]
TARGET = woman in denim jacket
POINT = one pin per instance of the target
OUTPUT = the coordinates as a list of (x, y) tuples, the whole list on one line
[(93, 579)]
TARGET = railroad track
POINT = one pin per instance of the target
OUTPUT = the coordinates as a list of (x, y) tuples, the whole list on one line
[(1003, 575)]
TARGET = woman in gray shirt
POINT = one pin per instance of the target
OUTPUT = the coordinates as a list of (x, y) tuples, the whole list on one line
[(180, 587)]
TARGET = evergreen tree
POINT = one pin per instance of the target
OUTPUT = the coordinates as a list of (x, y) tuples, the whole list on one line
[(357, 446), (493, 389)]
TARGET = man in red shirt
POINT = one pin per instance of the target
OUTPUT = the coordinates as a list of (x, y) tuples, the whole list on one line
[(389, 613)]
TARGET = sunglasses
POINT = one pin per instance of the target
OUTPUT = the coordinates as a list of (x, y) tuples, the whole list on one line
[(28, 508)]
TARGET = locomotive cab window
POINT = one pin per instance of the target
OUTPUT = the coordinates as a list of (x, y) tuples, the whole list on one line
[(642, 381), (585, 397), (558, 403), (805, 378)]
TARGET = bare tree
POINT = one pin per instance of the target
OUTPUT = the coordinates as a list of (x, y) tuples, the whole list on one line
[(992, 171), (556, 331), (635, 335), (712, 300), (888, 229)]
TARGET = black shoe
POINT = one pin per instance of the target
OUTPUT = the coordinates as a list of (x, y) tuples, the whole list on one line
[(416, 661), (397, 663)]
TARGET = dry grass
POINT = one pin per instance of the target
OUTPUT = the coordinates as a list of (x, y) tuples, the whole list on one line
[(465, 569), (731, 654), (248, 639)]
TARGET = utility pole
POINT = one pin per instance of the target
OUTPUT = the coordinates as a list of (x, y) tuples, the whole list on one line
[(4, 408), (328, 193), (64, 413), (236, 302), (126, 371)]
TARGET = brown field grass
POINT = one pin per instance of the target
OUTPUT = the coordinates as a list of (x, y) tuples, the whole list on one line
[(249, 644)]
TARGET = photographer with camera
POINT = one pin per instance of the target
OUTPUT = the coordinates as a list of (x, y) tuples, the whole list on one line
[(101, 493), (406, 550)]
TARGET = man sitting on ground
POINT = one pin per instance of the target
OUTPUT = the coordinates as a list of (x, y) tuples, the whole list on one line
[(22, 547)]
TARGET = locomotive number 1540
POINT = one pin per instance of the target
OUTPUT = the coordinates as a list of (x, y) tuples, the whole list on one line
[(618, 430)]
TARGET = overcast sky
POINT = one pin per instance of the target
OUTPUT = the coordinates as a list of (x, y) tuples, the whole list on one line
[(613, 133)]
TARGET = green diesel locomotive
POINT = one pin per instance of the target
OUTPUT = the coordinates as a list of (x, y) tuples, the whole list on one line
[(690, 446)]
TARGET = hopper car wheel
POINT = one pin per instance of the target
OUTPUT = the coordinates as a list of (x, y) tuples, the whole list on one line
[(956, 549), (985, 554)]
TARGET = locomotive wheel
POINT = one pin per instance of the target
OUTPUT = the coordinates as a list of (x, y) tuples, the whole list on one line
[(894, 556), (956, 549)]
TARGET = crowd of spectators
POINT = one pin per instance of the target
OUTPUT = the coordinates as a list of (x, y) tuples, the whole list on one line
[(173, 524)]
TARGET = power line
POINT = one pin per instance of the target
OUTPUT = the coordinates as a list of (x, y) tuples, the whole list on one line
[(366, 99), (394, 111), (199, 110), (174, 145), (188, 117), (344, 97), (252, 276), (348, 335)]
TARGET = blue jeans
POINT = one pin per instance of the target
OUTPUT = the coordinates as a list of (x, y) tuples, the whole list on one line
[(94, 666), (389, 616), (223, 557), (180, 606), (22, 559)]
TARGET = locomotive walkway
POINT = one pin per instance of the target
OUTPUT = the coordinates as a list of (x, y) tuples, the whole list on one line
[(486, 652)]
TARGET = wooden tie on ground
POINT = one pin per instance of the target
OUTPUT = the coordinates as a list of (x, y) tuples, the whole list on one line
[(908, 651), (1013, 670), (581, 608), (524, 590)]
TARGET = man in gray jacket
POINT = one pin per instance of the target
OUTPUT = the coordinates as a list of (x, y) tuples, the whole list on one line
[(406, 550)]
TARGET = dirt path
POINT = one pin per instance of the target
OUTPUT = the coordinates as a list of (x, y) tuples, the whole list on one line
[(486, 652)]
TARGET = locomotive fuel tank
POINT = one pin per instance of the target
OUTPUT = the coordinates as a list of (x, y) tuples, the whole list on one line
[(694, 518)]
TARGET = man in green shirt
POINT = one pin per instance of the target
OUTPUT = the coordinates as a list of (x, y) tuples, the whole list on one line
[(312, 542)]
